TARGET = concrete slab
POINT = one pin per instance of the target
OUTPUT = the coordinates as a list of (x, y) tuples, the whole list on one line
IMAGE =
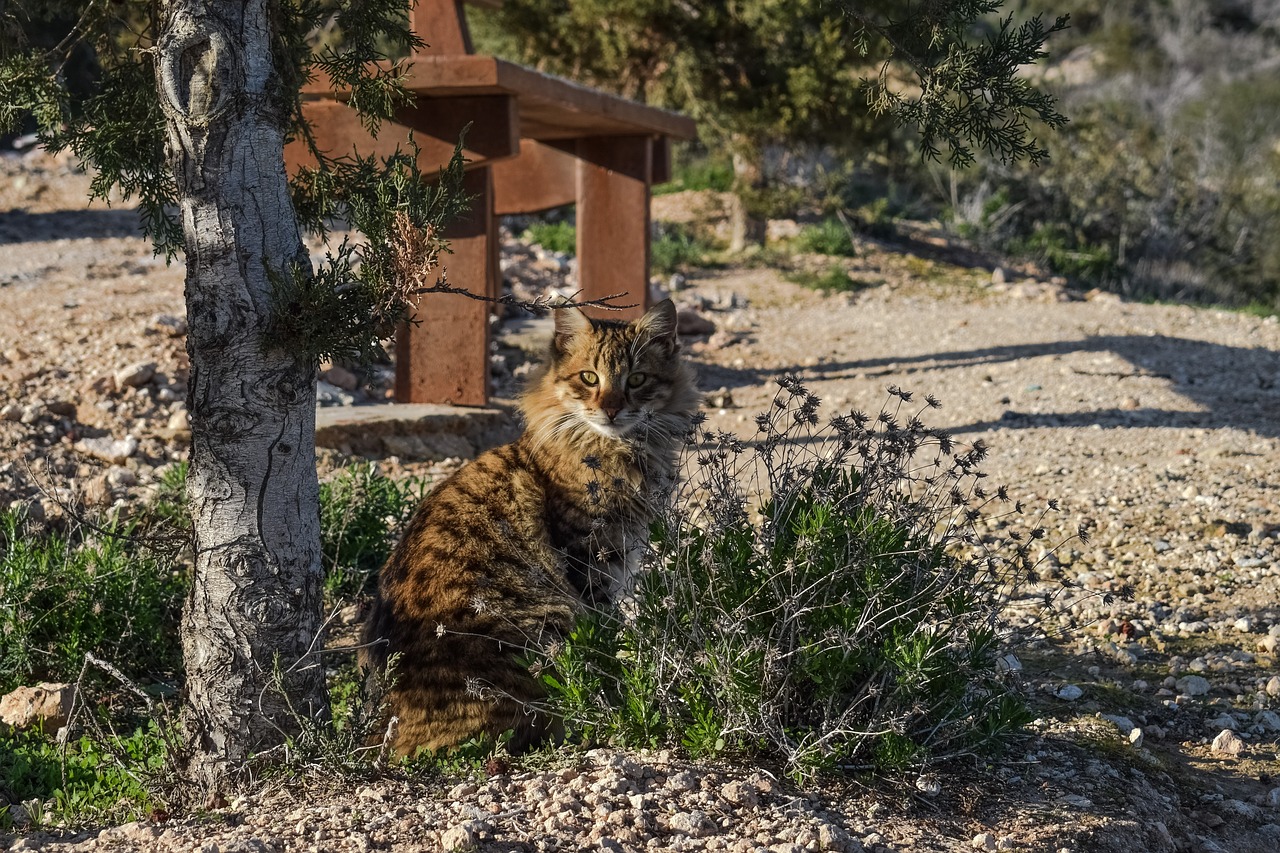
[(417, 431)]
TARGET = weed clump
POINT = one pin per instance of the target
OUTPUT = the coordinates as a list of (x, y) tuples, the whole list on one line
[(63, 595), (819, 596), (361, 512)]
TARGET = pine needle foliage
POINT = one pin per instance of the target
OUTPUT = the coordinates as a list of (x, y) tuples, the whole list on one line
[(824, 596), (969, 91), (81, 74)]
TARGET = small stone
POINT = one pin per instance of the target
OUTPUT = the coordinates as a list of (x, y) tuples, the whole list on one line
[(1136, 737), (1227, 743), (11, 412), (1243, 625), (1006, 843), (929, 785), (1269, 720), (167, 324), (31, 413), (999, 275), (1130, 404), (690, 322), (135, 375), (1273, 798), (1273, 686), (463, 836), (1210, 819), (97, 492), (1067, 693), (1223, 721), (121, 478), (694, 824), (676, 283), (1193, 685), (341, 377), (46, 706), (180, 420), (108, 449), (983, 841), (740, 793)]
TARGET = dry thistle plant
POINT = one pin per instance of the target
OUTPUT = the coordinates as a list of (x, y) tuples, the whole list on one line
[(819, 595)]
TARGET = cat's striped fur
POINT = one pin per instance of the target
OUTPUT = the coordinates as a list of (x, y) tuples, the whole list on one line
[(502, 556)]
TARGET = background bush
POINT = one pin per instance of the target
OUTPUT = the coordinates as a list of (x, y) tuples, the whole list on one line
[(819, 597)]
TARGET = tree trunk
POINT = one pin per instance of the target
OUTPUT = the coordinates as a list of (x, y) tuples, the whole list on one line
[(253, 618), (745, 227)]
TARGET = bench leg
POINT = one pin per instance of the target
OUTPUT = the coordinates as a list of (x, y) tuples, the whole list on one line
[(614, 174), (443, 357)]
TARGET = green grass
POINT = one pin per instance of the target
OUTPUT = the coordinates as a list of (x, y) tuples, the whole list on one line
[(559, 237), (829, 237), (677, 248), (102, 781), (65, 594), (834, 279), (361, 514), (703, 173)]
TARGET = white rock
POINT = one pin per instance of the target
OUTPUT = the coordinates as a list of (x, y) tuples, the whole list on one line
[(1193, 685), (1067, 693), (929, 785), (1273, 686), (983, 841), (135, 375), (108, 449), (1223, 721), (1244, 625), (1227, 743), (1269, 720), (1136, 737), (180, 420), (121, 478), (11, 412)]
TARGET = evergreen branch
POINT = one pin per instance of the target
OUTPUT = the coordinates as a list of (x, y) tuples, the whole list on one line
[(540, 305)]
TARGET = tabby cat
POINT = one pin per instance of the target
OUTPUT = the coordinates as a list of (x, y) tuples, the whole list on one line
[(503, 556)]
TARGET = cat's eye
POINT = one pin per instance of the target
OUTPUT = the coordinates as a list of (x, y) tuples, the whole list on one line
[(635, 380), (589, 377)]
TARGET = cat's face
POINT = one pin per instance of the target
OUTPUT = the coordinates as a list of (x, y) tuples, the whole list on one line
[(614, 377)]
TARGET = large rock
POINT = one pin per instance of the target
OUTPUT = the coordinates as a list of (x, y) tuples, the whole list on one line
[(46, 706)]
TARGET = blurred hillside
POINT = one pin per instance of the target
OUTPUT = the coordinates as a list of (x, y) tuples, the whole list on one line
[(1165, 184)]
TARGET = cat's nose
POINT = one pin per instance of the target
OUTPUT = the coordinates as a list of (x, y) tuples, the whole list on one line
[(611, 403)]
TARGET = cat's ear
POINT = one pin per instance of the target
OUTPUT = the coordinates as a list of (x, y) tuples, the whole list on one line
[(570, 322), (659, 322)]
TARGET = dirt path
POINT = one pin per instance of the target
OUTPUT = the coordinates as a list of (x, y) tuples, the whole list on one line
[(1156, 426)]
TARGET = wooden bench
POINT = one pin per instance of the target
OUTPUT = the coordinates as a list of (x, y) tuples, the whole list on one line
[(536, 142)]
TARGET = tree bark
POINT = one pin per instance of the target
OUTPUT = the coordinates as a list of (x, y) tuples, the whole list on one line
[(745, 228), (253, 620)]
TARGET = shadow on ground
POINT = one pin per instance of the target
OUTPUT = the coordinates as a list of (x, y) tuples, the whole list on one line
[(1233, 386), (19, 226)]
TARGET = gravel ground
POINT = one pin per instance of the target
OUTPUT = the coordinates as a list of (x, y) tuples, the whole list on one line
[(1157, 427)]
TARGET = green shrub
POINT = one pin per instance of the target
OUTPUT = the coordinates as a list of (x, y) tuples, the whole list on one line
[(676, 248), (108, 780), (834, 279), (361, 513), (829, 237), (818, 597), (62, 595), (698, 173), (559, 237)]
